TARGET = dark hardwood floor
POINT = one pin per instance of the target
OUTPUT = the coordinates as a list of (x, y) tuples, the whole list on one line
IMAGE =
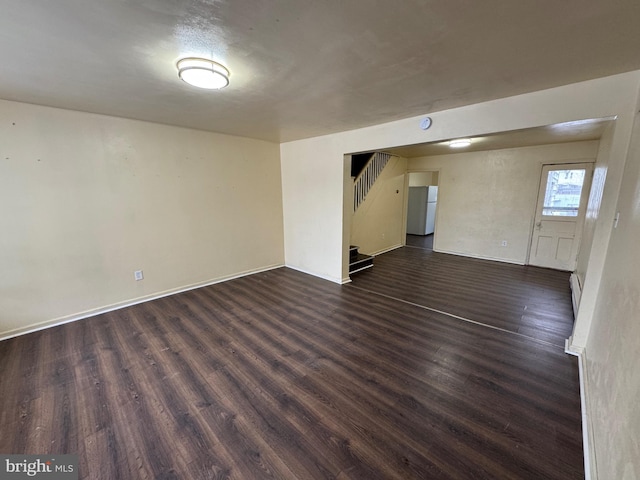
[(420, 241), (283, 375), (530, 301)]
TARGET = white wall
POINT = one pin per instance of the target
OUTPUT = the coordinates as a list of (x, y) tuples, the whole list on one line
[(601, 212), (595, 201), (87, 199), (613, 348), (379, 224), (313, 188), (487, 197)]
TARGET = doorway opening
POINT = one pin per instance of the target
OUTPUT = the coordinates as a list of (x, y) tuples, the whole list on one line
[(422, 202), (487, 193)]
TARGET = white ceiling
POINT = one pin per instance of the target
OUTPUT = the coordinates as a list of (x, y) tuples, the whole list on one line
[(305, 68)]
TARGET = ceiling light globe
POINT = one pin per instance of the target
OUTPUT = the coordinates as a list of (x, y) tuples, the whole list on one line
[(460, 143), (203, 73)]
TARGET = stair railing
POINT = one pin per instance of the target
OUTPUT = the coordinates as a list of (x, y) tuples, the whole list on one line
[(365, 180)]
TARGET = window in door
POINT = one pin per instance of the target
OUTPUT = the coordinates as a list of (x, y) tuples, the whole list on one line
[(562, 196)]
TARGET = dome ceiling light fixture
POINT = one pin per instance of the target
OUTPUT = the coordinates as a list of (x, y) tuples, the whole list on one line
[(203, 73), (460, 143)]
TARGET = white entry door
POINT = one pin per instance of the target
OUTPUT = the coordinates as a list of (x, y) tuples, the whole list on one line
[(562, 201)]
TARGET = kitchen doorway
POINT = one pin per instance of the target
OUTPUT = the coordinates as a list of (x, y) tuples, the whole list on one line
[(422, 200)]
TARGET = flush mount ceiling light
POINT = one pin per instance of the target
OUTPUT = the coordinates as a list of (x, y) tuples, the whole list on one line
[(460, 143), (203, 73)]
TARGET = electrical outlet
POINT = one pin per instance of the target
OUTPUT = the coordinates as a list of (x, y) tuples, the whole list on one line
[(138, 275), (504, 243)]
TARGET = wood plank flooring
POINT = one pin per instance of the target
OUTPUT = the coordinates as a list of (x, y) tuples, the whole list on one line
[(421, 241), (531, 301), (281, 375)]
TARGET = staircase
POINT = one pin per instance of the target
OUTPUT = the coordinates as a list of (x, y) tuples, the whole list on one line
[(367, 168), (358, 261), (367, 177)]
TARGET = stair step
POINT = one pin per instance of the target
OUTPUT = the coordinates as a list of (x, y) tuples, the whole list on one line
[(353, 253), (360, 262)]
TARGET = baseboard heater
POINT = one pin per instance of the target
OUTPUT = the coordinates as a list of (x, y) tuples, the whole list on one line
[(576, 292)]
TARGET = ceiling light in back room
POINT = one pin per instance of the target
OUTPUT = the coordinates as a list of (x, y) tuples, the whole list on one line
[(203, 73), (460, 143)]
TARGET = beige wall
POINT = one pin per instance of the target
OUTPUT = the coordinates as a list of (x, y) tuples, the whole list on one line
[(379, 224), (423, 179), (87, 199), (613, 348), (487, 197)]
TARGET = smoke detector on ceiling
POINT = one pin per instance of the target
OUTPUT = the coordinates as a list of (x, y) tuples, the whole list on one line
[(425, 123)]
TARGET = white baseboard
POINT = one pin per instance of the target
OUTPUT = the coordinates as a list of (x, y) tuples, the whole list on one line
[(572, 349), (385, 250), (315, 274), (481, 257), (128, 303), (588, 439)]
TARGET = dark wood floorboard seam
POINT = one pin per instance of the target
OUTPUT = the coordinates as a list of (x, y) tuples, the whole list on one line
[(350, 285), (415, 246)]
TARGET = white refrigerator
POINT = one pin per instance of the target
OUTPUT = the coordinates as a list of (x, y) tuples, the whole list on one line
[(421, 212)]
